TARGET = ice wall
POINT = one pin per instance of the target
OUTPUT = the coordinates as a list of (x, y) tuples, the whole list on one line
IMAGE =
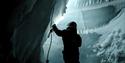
[(110, 45), (28, 24)]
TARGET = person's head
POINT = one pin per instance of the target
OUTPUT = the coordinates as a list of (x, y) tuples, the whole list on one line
[(72, 26)]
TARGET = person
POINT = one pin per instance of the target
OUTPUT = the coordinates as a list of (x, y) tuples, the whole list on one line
[(71, 41)]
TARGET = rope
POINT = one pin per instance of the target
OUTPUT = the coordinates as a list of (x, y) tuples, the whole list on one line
[(51, 22), (47, 61)]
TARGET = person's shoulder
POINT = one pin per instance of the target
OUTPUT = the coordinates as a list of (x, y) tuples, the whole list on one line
[(64, 30), (78, 35)]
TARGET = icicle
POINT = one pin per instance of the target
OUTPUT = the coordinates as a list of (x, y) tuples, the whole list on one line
[(90, 2)]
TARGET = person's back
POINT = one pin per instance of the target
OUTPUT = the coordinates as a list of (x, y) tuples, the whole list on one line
[(71, 47), (71, 41)]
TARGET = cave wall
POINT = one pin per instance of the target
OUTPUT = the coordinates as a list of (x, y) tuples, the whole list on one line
[(26, 25)]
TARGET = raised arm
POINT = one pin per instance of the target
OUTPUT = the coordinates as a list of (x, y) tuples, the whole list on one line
[(57, 31)]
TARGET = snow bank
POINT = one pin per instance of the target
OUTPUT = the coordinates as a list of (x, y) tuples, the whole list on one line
[(111, 48)]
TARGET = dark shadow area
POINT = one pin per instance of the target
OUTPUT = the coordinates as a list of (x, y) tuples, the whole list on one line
[(29, 19), (7, 9)]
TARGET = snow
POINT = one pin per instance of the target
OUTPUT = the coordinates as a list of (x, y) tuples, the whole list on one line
[(111, 48)]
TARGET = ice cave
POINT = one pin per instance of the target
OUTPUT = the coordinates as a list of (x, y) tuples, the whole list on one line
[(100, 24)]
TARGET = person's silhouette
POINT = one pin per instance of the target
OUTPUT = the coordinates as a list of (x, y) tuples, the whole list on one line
[(71, 41)]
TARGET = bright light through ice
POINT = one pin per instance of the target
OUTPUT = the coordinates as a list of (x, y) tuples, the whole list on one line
[(58, 19)]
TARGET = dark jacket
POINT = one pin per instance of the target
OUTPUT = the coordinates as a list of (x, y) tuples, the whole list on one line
[(71, 39)]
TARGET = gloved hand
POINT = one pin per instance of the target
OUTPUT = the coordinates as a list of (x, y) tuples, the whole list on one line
[(51, 30), (53, 26)]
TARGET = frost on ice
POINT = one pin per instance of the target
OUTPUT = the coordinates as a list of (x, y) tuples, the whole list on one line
[(112, 48)]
